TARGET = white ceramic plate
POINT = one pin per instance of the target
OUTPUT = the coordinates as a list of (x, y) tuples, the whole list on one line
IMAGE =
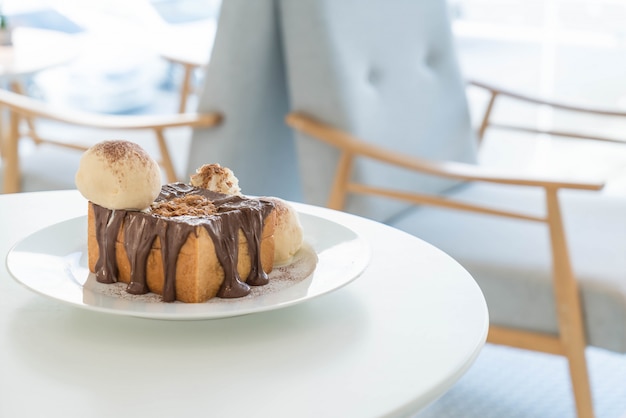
[(53, 262)]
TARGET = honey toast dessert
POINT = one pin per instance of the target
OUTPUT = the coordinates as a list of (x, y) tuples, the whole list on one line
[(186, 242)]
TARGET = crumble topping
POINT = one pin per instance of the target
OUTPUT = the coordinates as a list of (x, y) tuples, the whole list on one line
[(188, 205), (216, 178)]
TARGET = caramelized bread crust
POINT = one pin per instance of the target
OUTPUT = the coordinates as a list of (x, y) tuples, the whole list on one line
[(199, 274)]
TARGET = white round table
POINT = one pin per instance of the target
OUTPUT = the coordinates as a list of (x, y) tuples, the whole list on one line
[(387, 344), (34, 50)]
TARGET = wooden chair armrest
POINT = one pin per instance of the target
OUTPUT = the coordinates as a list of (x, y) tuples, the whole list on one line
[(496, 92), (542, 101), (455, 170), (33, 108), (21, 106)]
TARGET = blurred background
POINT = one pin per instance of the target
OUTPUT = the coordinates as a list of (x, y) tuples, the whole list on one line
[(128, 56), (572, 49), (121, 44)]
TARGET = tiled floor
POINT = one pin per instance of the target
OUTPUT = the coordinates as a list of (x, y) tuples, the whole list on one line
[(510, 383)]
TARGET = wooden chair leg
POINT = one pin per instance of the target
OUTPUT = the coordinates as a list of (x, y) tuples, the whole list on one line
[(486, 117), (337, 198), (17, 87), (166, 160), (185, 87), (11, 163), (580, 383), (569, 310)]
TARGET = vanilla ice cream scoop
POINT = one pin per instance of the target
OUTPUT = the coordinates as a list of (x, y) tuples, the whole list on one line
[(288, 234), (216, 178), (118, 175)]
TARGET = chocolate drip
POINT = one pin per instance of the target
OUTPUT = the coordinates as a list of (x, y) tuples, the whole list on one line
[(172, 238), (225, 236), (142, 229), (257, 276), (138, 241), (108, 223)]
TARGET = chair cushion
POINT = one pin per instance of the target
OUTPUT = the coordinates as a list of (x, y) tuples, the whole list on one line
[(386, 73), (510, 259)]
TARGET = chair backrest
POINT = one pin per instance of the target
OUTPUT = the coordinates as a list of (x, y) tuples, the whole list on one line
[(245, 81), (385, 71)]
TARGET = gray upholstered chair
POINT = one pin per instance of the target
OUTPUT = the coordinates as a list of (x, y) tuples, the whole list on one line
[(383, 131), (245, 82)]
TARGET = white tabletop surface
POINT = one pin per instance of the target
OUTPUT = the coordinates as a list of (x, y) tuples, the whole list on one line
[(387, 344), (34, 50)]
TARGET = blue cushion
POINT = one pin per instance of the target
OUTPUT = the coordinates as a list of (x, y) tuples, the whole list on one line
[(387, 73), (245, 81)]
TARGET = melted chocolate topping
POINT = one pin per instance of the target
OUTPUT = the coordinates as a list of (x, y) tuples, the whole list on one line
[(142, 229)]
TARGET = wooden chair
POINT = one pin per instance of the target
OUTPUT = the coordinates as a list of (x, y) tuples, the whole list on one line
[(383, 130), (189, 65), (571, 339), (22, 108)]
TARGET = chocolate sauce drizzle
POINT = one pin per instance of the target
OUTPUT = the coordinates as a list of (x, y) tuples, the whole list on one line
[(142, 229), (106, 235)]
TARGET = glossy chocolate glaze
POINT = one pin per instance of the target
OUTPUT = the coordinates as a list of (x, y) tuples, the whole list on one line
[(141, 230)]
